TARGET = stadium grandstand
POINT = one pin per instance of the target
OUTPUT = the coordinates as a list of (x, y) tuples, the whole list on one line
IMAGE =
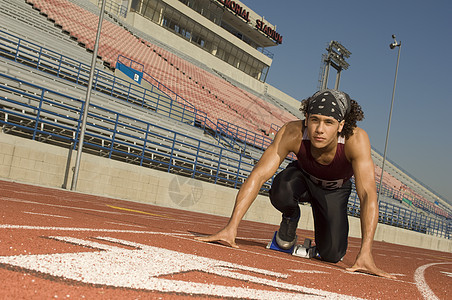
[(179, 87)]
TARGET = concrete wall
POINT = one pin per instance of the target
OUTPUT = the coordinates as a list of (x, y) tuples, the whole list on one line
[(41, 164)]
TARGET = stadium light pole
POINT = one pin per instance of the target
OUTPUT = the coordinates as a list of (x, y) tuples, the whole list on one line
[(392, 46), (87, 99)]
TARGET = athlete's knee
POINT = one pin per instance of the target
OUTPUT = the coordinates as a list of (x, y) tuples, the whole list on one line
[(332, 255), (279, 192), (280, 200)]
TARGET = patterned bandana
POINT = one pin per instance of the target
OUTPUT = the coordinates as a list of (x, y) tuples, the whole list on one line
[(330, 103)]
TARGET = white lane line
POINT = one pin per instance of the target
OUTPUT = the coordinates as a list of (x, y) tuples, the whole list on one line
[(27, 227), (309, 271), (123, 224), (80, 208), (45, 215), (422, 285)]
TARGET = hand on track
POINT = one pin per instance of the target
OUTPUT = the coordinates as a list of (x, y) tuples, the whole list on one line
[(224, 235), (364, 263)]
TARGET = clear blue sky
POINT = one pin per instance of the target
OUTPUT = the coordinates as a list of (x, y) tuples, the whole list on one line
[(420, 139)]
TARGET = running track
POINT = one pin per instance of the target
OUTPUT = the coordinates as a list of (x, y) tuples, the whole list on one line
[(56, 244)]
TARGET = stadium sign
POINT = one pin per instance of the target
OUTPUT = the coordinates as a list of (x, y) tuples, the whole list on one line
[(235, 7), (260, 25), (270, 32)]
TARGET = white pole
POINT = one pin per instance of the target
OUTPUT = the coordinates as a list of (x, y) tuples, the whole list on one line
[(392, 46), (88, 97)]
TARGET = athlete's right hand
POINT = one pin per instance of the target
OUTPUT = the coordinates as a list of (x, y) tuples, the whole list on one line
[(225, 235)]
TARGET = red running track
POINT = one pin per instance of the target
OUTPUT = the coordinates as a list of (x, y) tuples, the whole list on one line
[(57, 244)]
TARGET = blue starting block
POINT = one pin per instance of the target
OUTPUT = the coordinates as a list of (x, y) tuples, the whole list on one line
[(273, 245), (305, 250)]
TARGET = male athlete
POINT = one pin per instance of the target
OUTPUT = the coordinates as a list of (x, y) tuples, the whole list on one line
[(330, 149)]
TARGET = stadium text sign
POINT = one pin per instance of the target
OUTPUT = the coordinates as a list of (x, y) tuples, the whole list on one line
[(260, 25), (270, 32), (235, 7)]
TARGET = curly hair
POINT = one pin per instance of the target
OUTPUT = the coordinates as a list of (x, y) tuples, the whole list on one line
[(354, 115)]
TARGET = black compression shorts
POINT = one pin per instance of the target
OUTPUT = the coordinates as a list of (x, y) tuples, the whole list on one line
[(329, 208)]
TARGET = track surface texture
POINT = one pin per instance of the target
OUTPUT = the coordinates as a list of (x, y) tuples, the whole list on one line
[(56, 244)]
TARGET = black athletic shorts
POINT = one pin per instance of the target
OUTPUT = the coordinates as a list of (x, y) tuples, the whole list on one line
[(329, 208)]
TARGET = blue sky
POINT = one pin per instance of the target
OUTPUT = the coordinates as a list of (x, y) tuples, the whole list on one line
[(420, 139)]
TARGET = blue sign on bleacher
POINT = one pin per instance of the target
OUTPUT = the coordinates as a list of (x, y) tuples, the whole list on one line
[(130, 72)]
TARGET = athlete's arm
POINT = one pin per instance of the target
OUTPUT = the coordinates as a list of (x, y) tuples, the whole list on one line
[(283, 143), (358, 151)]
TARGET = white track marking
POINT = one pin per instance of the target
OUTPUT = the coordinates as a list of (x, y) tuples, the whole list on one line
[(309, 271), (81, 229), (143, 267), (26, 227), (82, 208), (374, 276), (188, 237), (422, 285), (45, 215), (123, 224)]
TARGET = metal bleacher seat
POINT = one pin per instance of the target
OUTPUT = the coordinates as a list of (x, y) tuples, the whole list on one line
[(61, 85), (17, 18), (111, 47), (129, 131)]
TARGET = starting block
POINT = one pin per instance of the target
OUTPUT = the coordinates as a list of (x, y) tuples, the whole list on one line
[(305, 250), (274, 245)]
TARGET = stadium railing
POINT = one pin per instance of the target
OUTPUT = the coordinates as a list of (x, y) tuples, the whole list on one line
[(233, 132), (29, 111), (159, 98), (404, 218), (114, 8)]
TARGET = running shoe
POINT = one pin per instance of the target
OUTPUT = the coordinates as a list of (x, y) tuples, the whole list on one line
[(287, 233)]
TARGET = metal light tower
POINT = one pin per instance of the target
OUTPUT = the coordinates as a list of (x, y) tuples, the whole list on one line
[(336, 58), (392, 46), (88, 97)]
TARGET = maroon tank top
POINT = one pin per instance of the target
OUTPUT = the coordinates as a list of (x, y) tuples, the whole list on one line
[(331, 176)]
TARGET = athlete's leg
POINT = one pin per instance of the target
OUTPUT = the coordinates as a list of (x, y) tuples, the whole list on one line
[(329, 208), (288, 190)]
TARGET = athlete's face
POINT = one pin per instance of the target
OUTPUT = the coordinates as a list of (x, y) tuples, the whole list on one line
[(322, 130)]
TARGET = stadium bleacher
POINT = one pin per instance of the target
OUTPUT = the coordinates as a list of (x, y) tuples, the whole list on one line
[(124, 126), (208, 93)]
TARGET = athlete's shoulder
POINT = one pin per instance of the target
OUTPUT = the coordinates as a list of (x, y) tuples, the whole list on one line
[(358, 135), (292, 130), (294, 125), (289, 136), (357, 143)]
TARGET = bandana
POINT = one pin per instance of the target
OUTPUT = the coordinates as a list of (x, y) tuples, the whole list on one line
[(330, 103)]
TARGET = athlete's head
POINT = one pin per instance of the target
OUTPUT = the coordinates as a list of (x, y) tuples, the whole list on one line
[(335, 104)]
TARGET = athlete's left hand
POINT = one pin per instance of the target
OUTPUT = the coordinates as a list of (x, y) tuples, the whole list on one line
[(365, 263)]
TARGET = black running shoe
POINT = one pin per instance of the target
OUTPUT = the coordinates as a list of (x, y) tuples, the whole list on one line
[(287, 233)]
